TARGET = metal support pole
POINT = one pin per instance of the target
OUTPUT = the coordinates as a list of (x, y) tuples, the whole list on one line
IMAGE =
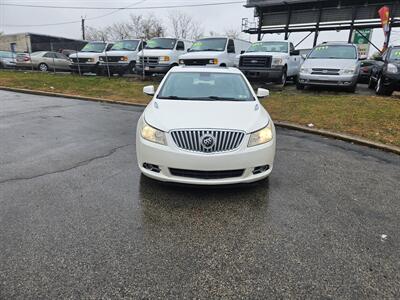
[(317, 26), (83, 29), (143, 71), (288, 23), (354, 15), (260, 21), (303, 39), (79, 66), (52, 54), (29, 51), (391, 18)]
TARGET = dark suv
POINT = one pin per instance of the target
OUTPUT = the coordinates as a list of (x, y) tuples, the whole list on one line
[(385, 77)]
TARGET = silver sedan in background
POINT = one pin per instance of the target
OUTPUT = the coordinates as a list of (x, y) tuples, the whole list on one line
[(44, 61)]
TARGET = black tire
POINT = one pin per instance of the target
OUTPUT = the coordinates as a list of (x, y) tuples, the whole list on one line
[(352, 89), (371, 83), (223, 65), (132, 68), (1, 66), (283, 78), (42, 67), (381, 89), (300, 86)]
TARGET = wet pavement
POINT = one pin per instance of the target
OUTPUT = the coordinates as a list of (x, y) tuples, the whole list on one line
[(78, 221)]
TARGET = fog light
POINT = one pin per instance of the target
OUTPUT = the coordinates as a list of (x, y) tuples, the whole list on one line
[(260, 169), (151, 167)]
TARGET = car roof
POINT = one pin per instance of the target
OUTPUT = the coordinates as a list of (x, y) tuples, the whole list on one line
[(188, 69), (337, 43)]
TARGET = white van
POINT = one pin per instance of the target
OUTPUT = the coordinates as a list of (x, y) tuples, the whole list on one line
[(214, 51), (87, 60), (161, 54), (121, 58)]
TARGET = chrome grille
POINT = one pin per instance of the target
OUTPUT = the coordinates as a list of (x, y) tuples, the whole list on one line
[(321, 71), (149, 60), (191, 140), (255, 61)]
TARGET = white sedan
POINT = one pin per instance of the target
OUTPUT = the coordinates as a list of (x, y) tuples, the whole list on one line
[(205, 126)]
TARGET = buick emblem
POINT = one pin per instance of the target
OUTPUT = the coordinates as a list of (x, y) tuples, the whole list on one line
[(208, 141)]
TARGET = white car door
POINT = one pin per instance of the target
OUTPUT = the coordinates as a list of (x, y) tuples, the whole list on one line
[(294, 61)]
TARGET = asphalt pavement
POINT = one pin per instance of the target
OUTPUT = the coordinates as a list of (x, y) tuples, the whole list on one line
[(77, 220)]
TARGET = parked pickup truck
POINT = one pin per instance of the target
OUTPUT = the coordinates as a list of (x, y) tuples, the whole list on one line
[(271, 62)]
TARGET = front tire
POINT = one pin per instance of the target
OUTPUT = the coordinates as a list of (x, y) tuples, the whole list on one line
[(371, 83), (352, 89), (300, 86), (381, 89), (283, 78), (43, 67)]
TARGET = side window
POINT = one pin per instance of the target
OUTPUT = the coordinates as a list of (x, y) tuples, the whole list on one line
[(49, 55), (109, 46), (60, 56), (180, 46), (142, 45), (231, 46)]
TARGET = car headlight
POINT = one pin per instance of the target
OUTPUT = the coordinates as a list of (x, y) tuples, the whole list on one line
[(181, 62), (278, 62), (348, 71), (165, 59), (101, 59), (262, 136), (124, 58), (90, 60), (391, 68), (213, 61), (305, 71), (153, 135)]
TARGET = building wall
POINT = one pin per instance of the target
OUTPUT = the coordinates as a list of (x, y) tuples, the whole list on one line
[(22, 42)]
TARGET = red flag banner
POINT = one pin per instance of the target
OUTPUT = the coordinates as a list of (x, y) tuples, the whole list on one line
[(384, 14)]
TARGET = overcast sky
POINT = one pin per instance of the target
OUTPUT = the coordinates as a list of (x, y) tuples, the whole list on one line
[(212, 18)]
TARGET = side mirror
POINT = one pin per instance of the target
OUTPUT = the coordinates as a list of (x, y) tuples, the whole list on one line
[(149, 90), (379, 58), (262, 93), (295, 52), (304, 56), (243, 51)]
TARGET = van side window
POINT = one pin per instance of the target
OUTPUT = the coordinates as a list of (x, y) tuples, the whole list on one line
[(180, 46), (231, 46)]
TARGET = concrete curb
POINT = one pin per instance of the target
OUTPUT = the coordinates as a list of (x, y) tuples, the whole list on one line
[(321, 132), (59, 95)]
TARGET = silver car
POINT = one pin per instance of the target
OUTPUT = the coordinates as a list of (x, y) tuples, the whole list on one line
[(44, 61), (331, 64), (7, 60)]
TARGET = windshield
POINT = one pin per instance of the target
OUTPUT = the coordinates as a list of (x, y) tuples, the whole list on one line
[(269, 47), (94, 47), (205, 86), (209, 45), (161, 43), (5, 54), (394, 54), (125, 46), (334, 52)]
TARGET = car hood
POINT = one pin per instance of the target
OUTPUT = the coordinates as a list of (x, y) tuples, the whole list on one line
[(86, 55), (155, 52), (118, 53), (274, 54), (178, 114), (201, 54), (330, 63)]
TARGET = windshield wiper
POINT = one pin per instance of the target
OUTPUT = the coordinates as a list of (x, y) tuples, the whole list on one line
[(220, 98), (173, 98)]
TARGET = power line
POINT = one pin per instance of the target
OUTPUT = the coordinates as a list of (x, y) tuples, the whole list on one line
[(122, 8)]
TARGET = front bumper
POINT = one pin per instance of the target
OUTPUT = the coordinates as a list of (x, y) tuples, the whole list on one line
[(152, 69), (171, 157), (272, 74), (84, 67), (114, 67), (328, 80)]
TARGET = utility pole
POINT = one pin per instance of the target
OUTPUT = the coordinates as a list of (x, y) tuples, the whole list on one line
[(83, 28)]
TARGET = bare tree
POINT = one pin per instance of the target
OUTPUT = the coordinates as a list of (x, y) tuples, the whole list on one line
[(138, 26), (97, 34), (184, 26), (233, 33)]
